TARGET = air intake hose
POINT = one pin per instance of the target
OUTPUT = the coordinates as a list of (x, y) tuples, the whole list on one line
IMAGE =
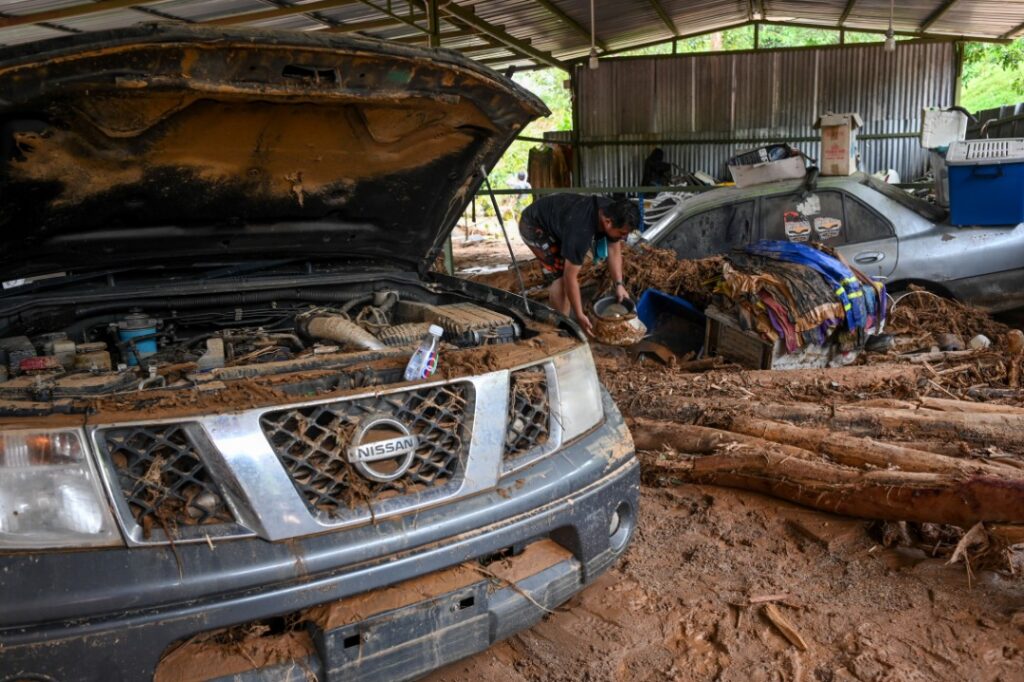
[(340, 330)]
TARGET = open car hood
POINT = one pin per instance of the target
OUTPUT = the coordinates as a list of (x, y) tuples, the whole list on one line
[(168, 141)]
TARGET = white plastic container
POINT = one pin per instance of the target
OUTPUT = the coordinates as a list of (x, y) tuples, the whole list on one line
[(769, 171), (941, 128), (423, 362)]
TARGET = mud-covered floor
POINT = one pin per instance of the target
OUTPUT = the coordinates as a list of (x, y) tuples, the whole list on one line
[(689, 599), (682, 605)]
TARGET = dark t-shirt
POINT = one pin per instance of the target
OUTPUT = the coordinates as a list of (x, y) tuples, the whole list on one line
[(570, 219)]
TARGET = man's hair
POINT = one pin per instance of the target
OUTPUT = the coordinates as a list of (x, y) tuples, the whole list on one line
[(623, 214)]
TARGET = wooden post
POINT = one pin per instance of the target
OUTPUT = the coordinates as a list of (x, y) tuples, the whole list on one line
[(434, 31)]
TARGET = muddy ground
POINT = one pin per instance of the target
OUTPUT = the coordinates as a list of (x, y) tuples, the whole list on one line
[(682, 605), (689, 599)]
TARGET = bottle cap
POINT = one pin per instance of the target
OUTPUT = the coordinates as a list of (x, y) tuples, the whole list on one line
[(436, 330)]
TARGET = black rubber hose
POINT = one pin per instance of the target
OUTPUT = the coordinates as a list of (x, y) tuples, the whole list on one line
[(359, 300), (246, 298)]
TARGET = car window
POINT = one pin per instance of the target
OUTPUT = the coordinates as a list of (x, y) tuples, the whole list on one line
[(717, 230), (863, 224), (805, 216)]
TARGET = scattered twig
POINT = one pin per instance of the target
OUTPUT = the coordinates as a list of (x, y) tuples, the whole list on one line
[(772, 613)]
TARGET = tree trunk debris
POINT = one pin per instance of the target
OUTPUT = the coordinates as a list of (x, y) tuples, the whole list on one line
[(842, 472)]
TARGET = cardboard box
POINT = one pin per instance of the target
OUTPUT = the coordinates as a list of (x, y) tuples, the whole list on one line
[(839, 143)]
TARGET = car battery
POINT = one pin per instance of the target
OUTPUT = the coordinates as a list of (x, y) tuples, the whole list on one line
[(986, 182)]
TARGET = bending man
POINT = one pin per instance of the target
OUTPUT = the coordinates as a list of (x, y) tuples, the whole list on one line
[(561, 228)]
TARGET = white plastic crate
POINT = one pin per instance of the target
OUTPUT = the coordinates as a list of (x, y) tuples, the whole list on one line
[(970, 152)]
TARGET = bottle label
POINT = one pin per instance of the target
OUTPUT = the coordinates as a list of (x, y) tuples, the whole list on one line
[(429, 365)]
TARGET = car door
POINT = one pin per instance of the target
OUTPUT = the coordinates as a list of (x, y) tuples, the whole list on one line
[(871, 243), (834, 218), (713, 231)]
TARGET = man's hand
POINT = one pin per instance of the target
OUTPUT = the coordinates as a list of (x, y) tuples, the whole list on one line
[(621, 294), (585, 324)]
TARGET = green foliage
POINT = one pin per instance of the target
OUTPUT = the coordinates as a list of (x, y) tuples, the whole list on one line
[(547, 84), (791, 36), (993, 75)]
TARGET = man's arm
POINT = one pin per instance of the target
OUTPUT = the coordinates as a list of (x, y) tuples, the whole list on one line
[(570, 278), (615, 266)]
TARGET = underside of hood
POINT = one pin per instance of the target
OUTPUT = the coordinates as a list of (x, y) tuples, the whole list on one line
[(165, 141)]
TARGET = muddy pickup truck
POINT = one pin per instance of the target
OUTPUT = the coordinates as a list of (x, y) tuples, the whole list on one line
[(216, 251)]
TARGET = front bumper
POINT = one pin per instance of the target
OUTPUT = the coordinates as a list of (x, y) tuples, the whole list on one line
[(112, 614)]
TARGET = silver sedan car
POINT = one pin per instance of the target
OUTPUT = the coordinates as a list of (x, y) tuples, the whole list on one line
[(885, 232)]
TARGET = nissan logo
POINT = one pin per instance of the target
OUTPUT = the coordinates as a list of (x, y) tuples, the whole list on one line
[(382, 449)]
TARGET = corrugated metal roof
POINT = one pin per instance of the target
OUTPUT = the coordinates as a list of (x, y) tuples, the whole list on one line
[(204, 11), (555, 27)]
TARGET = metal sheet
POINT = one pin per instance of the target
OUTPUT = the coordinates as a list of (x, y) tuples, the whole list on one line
[(702, 109), (620, 25)]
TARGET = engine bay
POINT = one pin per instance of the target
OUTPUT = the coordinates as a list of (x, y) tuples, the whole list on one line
[(110, 348)]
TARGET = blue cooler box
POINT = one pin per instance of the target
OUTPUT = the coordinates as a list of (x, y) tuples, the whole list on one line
[(986, 182)]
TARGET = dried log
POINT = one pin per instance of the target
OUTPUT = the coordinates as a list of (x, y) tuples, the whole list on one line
[(986, 393), (938, 356), (700, 440), (809, 480), (939, 447), (701, 365), (938, 405), (864, 452), (945, 405), (1002, 430), (889, 403), (1009, 535)]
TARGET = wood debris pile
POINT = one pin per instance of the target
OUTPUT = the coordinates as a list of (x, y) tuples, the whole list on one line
[(648, 267), (923, 316), (913, 441)]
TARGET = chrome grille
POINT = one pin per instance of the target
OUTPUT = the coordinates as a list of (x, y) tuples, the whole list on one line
[(160, 472), (529, 412), (311, 442)]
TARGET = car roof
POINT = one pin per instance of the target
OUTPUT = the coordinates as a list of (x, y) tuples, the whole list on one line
[(724, 196)]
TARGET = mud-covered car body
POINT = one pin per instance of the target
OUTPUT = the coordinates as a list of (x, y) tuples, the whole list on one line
[(216, 251), (881, 229)]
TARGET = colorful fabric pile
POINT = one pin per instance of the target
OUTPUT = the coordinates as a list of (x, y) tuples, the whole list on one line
[(800, 294)]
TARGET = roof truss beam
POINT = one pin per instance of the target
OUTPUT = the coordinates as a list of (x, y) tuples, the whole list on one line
[(936, 15), (467, 16), (665, 18), (65, 12), (846, 11), (1012, 33), (277, 12), (408, 21), (371, 25), (557, 12), (419, 39)]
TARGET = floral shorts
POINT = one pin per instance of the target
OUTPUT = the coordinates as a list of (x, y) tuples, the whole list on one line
[(544, 247)]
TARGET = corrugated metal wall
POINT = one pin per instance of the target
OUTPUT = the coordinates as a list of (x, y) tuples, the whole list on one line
[(702, 109)]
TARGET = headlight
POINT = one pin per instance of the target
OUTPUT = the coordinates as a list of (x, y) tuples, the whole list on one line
[(50, 494), (579, 393)]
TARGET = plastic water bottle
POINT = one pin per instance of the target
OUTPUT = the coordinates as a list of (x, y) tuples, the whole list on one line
[(423, 362)]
